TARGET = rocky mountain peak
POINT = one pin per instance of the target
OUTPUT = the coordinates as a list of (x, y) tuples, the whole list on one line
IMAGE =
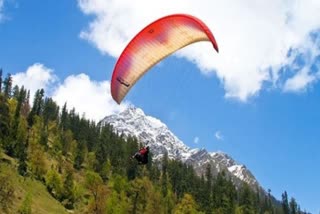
[(151, 131)]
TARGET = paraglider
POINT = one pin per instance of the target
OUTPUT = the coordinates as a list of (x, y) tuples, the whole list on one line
[(142, 156), (152, 44)]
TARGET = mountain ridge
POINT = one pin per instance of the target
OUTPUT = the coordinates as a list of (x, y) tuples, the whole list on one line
[(152, 131)]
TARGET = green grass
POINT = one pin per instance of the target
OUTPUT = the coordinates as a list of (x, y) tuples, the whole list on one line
[(42, 201)]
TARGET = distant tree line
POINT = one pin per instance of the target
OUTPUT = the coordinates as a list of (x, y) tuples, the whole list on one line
[(86, 166)]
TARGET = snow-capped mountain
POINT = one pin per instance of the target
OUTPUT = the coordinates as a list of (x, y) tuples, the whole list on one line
[(161, 140)]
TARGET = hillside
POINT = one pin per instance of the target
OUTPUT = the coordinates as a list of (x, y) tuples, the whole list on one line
[(40, 199), (59, 161)]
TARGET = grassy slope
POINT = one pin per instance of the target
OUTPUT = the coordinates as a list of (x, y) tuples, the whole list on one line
[(42, 201)]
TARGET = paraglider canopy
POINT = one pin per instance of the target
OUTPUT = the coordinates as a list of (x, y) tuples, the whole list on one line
[(153, 43)]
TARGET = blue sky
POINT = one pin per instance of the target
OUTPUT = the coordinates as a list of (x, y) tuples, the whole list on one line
[(257, 100)]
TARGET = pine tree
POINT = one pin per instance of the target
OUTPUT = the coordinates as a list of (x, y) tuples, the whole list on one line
[(105, 172), (15, 92), (54, 183), (285, 204), (18, 131), (258, 203), (44, 138), (7, 84), (144, 196), (80, 155), (102, 154), (66, 141), (93, 136), (270, 208), (0, 80), (4, 118), (207, 202), (293, 206), (23, 167), (246, 199), (21, 96), (68, 189), (164, 175), (37, 106), (132, 169), (39, 103), (224, 194), (95, 185), (22, 157), (231, 195), (187, 205), (118, 203), (25, 109), (64, 125), (37, 161), (50, 111)]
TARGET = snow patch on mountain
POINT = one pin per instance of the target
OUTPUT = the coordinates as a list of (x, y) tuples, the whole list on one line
[(151, 131), (237, 171)]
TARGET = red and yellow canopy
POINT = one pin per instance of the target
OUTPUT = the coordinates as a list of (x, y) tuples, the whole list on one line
[(155, 42)]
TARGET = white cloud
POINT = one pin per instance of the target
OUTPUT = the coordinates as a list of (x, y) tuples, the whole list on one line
[(196, 140), (218, 135), (1, 9), (87, 96), (79, 91), (299, 81), (309, 72), (254, 36), (36, 76)]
